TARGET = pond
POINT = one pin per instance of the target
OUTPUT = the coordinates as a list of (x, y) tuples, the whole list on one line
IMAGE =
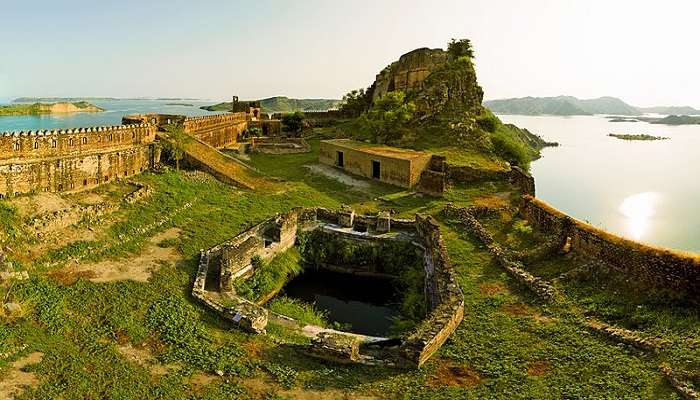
[(364, 305)]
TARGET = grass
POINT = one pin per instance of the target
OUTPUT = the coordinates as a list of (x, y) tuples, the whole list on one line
[(506, 331)]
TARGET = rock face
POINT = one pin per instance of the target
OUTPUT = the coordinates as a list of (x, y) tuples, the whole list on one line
[(433, 81), (409, 71)]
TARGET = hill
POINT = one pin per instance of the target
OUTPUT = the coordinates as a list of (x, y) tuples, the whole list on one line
[(561, 105), (430, 99), (48, 108), (671, 110), (284, 104)]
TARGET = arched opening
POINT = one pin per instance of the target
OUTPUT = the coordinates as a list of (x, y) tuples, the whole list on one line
[(54, 143), (84, 140), (36, 145)]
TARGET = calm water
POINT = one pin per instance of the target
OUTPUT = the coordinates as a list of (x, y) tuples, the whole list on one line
[(116, 109), (644, 190), (363, 303)]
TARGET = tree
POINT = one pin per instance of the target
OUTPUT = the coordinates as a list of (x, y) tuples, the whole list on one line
[(175, 143), (293, 122), (388, 117), (357, 102), (460, 48)]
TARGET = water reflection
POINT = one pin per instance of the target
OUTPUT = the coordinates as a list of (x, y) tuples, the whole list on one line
[(639, 210)]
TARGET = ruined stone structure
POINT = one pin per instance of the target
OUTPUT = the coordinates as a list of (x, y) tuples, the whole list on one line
[(70, 160), (395, 166), (661, 268), (234, 260), (217, 130)]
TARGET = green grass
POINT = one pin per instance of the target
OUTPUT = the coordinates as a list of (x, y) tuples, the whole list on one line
[(506, 330), (299, 310)]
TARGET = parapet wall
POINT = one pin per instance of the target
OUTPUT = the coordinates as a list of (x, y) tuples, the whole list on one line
[(217, 130), (661, 268), (74, 159)]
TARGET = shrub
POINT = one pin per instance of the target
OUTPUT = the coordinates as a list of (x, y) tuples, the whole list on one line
[(510, 149)]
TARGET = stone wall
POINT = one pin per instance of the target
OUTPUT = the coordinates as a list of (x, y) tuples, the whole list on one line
[(443, 296), (74, 159), (433, 180), (523, 180), (658, 267), (217, 130)]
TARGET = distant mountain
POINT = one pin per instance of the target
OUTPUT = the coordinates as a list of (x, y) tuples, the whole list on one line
[(561, 105), (670, 110), (284, 104)]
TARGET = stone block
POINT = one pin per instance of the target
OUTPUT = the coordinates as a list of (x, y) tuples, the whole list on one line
[(384, 222), (336, 347), (346, 217)]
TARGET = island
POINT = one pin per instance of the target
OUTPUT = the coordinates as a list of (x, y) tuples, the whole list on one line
[(636, 137), (622, 119), (48, 108), (180, 104)]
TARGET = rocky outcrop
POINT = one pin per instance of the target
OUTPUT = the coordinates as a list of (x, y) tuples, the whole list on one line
[(433, 80), (409, 71)]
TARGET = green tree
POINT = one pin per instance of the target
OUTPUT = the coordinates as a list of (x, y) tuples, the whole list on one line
[(388, 117), (176, 141), (293, 122), (357, 102), (460, 48)]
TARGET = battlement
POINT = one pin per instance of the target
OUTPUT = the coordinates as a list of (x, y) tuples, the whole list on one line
[(218, 117), (54, 132)]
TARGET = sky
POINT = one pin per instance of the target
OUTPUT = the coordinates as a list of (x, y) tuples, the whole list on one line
[(641, 51)]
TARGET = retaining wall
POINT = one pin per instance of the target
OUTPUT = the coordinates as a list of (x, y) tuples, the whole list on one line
[(658, 267)]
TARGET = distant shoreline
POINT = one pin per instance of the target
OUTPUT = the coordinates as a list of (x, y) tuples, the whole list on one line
[(48, 108)]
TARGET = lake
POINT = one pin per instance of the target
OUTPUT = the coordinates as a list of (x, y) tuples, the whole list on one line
[(115, 110), (647, 191)]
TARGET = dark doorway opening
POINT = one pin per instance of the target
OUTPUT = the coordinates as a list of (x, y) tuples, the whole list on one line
[(339, 160), (376, 169)]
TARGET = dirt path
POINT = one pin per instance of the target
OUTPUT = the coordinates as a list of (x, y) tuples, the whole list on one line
[(137, 268), (339, 176), (15, 380)]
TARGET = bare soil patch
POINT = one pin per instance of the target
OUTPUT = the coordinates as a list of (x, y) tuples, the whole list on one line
[(538, 368), (261, 387), (337, 175), (523, 310), (449, 373), (39, 203), (137, 268), (492, 289), (15, 380), (496, 201)]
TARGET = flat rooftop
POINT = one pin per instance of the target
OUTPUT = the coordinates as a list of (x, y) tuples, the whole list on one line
[(380, 150)]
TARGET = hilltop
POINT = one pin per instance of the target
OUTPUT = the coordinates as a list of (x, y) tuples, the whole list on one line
[(430, 99), (569, 105), (48, 108), (283, 104)]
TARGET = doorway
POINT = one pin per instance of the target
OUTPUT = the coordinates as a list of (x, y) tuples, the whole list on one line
[(376, 169), (339, 161)]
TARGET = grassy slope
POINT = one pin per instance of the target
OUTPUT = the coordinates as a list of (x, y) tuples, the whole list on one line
[(504, 351), (283, 104)]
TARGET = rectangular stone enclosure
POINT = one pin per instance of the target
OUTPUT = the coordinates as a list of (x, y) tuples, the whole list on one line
[(400, 167)]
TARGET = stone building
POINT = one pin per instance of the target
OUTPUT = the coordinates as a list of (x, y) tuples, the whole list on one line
[(400, 167)]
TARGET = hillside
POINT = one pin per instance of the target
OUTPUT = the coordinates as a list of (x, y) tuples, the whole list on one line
[(671, 110), (44, 108), (283, 104), (561, 105)]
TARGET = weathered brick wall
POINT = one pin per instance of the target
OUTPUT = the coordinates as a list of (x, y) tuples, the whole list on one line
[(658, 267), (74, 159), (217, 130), (522, 179)]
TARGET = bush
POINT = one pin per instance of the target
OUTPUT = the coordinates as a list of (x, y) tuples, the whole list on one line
[(488, 122), (510, 149)]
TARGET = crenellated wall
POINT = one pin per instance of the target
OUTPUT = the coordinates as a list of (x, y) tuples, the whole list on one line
[(661, 268), (74, 159)]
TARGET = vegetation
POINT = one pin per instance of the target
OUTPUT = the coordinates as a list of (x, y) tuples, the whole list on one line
[(460, 48), (357, 102), (677, 120), (176, 142), (299, 310), (293, 122), (269, 277), (388, 119), (636, 137)]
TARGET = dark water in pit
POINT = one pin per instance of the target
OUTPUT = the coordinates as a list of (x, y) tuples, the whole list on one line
[(366, 304)]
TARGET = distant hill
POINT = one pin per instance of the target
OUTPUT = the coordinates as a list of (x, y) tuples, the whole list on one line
[(671, 110), (284, 104), (569, 105), (677, 120), (561, 105), (48, 108)]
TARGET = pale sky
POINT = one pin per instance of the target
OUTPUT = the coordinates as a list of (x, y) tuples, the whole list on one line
[(644, 52)]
